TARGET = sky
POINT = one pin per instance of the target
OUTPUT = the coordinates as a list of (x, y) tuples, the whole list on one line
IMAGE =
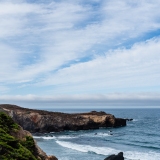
[(78, 53)]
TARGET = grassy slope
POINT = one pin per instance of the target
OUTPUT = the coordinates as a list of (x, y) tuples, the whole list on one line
[(10, 147)]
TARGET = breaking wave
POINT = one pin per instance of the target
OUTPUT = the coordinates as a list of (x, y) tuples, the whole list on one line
[(129, 155)]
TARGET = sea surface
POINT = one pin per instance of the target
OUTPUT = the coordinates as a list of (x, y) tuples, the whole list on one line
[(139, 140)]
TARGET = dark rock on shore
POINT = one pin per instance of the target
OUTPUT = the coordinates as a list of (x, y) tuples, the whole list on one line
[(44, 121), (129, 119), (119, 156)]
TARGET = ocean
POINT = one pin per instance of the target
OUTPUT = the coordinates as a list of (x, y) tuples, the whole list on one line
[(139, 140)]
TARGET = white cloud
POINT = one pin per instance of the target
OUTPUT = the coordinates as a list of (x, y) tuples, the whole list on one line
[(108, 100), (37, 39), (13, 18), (8, 62), (86, 97), (131, 18), (118, 69)]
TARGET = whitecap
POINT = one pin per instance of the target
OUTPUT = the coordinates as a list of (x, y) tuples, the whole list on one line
[(66, 137), (135, 120), (88, 148), (37, 137), (104, 134), (98, 134), (129, 155), (135, 155), (47, 138)]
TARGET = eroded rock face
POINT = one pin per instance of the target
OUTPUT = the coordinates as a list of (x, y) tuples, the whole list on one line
[(13, 139), (44, 121)]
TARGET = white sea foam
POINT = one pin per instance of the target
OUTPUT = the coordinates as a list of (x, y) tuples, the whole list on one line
[(88, 148), (104, 134), (47, 138), (97, 134), (129, 155), (53, 137), (66, 137), (135, 120), (37, 137), (135, 155)]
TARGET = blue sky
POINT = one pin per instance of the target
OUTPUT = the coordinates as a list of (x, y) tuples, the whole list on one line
[(100, 52)]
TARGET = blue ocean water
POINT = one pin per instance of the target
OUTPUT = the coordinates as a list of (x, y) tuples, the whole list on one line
[(139, 140)]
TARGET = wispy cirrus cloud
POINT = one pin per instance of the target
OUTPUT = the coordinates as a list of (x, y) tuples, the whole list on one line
[(134, 69), (66, 47)]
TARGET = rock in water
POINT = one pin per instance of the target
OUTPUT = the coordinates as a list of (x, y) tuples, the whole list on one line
[(131, 119), (119, 156)]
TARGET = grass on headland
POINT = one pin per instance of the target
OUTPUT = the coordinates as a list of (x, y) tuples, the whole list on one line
[(10, 147)]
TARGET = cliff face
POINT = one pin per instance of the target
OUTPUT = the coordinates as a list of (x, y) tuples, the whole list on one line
[(16, 143), (44, 121)]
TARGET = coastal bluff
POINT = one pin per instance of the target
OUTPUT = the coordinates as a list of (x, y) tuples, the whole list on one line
[(18, 144), (44, 121)]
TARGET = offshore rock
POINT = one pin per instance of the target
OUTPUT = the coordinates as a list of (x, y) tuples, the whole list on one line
[(45, 121), (129, 119), (115, 157)]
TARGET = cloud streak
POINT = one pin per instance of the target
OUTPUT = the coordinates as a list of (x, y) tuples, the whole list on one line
[(118, 69), (68, 48), (116, 99)]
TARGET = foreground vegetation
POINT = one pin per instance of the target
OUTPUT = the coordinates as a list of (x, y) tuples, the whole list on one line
[(12, 148)]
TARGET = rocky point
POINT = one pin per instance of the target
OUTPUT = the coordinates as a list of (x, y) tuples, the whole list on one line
[(44, 121)]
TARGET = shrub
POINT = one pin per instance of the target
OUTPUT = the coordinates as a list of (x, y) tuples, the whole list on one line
[(10, 147)]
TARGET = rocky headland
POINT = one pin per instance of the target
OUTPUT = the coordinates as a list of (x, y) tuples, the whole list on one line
[(44, 121)]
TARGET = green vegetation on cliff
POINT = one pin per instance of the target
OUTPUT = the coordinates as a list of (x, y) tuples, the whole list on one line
[(12, 148)]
